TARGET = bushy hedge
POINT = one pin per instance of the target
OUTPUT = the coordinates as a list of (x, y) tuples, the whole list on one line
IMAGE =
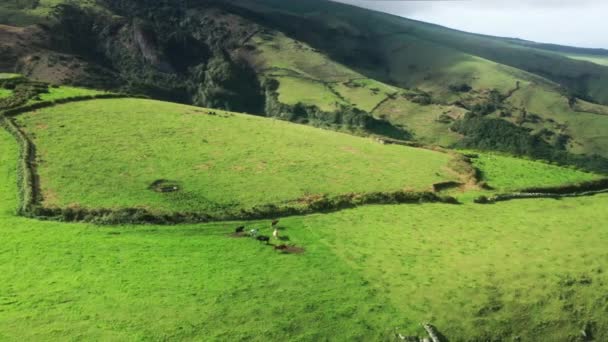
[(26, 177), (589, 188), (45, 104), (596, 185), (23, 91), (323, 204)]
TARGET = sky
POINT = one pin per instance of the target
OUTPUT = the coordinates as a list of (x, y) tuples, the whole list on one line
[(582, 23)]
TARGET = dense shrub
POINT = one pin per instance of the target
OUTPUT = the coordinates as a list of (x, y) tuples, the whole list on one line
[(143, 216), (460, 88)]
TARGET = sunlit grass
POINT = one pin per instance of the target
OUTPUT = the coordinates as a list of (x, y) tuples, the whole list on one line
[(107, 153)]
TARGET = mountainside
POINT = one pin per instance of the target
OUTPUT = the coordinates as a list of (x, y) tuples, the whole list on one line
[(160, 178), (326, 64)]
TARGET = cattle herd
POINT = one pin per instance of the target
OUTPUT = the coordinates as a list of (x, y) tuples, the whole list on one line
[(255, 233)]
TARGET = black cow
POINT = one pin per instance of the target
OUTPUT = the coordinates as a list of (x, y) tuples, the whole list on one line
[(263, 238), (239, 229)]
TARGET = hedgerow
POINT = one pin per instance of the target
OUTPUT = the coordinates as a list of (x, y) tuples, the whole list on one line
[(589, 188), (323, 204)]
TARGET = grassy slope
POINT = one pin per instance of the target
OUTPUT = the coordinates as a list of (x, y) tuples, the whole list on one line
[(422, 120), (430, 57), (511, 269), (105, 153), (413, 55), (588, 130), (293, 90), (307, 76), (24, 12), (601, 60), (375, 29)]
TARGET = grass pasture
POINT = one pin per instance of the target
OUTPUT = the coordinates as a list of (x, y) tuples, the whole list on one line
[(476, 272), (107, 153)]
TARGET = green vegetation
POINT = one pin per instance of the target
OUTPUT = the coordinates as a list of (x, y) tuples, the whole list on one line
[(107, 153), (30, 12), (429, 123), (4, 76), (476, 272), (583, 124), (70, 281), (521, 270), (5, 93), (384, 74), (296, 90), (366, 94), (505, 173), (64, 92), (500, 135), (601, 60)]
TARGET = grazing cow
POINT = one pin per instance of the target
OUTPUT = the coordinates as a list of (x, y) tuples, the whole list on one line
[(274, 223), (254, 232), (275, 233), (263, 238), (239, 229)]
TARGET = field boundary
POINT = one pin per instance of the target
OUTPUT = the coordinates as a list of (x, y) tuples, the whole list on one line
[(325, 204), (582, 189), (46, 104), (30, 196), (26, 176)]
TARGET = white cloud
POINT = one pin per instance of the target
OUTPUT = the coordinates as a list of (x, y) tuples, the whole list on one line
[(577, 23)]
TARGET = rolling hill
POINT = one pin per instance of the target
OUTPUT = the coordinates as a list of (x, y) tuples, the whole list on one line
[(326, 64), (269, 170)]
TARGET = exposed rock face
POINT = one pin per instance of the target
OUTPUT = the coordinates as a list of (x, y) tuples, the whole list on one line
[(145, 39), (19, 42), (191, 56)]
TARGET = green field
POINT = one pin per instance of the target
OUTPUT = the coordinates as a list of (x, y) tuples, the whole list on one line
[(62, 92), (506, 173), (515, 270), (476, 272), (107, 153), (601, 60), (30, 12), (4, 76), (587, 130), (423, 121), (5, 93), (293, 90), (366, 94)]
